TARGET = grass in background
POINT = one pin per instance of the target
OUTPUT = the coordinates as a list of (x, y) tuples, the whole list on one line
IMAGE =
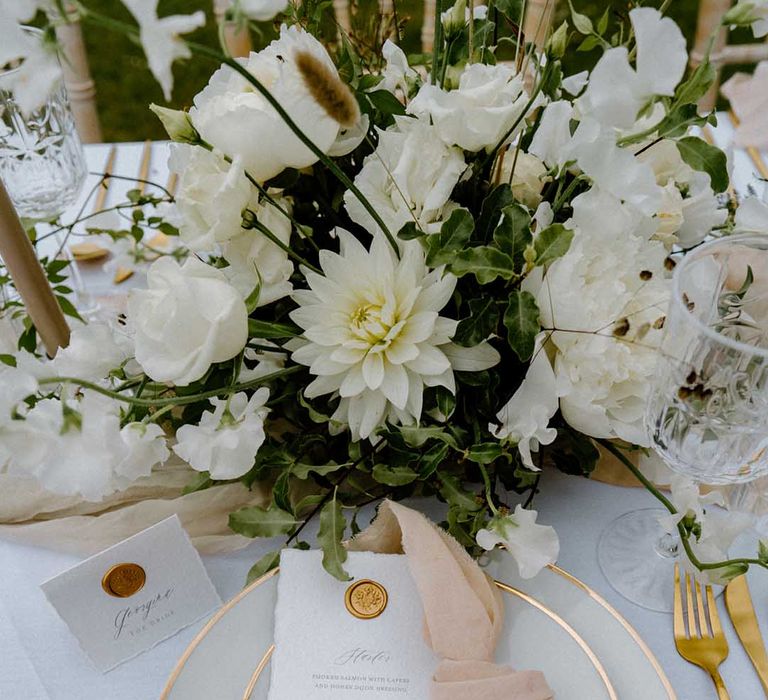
[(125, 86)]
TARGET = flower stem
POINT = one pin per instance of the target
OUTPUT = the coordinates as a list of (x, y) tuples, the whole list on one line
[(288, 250), (488, 489), (176, 400), (684, 535)]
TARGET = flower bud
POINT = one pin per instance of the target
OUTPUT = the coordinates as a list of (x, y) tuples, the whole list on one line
[(177, 124), (454, 19)]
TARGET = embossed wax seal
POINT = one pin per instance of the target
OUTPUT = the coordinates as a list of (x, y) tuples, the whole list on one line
[(366, 599), (123, 580)]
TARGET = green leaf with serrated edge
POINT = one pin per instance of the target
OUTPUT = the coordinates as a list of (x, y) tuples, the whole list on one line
[(200, 482), (582, 23), (281, 492), (255, 521), (308, 503), (490, 212), (484, 452), (552, 243), (453, 237), (270, 330), (332, 527), (513, 234), (452, 491), (394, 476), (522, 322), (262, 567), (709, 159), (481, 322), (302, 471), (415, 436), (485, 263)]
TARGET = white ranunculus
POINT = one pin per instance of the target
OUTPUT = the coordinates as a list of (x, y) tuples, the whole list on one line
[(479, 113), (254, 260), (611, 276), (375, 337), (212, 194), (160, 38), (527, 180), (77, 446), (397, 74), (188, 318), (234, 117), (616, 91), (524, 420), (532, 546), (93, 351), (262, 10), (227, 439), (409, 177)]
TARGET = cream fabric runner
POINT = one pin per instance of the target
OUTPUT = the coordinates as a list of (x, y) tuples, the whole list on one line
[(463, 609)]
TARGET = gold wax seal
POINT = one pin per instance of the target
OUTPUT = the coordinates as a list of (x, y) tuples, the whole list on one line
[(123, 580), (366, 599)]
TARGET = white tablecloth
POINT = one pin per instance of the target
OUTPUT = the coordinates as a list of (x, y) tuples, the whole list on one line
[(40, 659)]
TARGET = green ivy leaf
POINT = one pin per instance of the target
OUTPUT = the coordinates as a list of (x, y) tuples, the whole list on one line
[(302, 471), (490, 212), (455, 495), (255, 521), (453, 237), (262, 567), (416, 436), (481, 322), (394, 476), (271, 330), (574, 453), (431, 460), (486, 263), (522, 321), (332, 527), (386, 102), (485, 452), (709, 159), (281, 492), (513, 234), (552, 243), (200, 482)]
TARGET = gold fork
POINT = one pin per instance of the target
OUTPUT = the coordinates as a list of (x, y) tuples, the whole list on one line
[(706, 646)]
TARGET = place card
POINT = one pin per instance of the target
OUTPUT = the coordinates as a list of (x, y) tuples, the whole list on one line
[(363, 639), (133, 595)]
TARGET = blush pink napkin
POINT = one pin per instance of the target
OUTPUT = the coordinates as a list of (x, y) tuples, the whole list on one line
[(463, 609)]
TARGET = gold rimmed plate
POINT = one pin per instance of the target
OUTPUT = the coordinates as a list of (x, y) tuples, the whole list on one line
[(554, 623)]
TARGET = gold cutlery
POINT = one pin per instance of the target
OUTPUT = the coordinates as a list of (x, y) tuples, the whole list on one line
[(88, 251), (703, 641), (742, 612)]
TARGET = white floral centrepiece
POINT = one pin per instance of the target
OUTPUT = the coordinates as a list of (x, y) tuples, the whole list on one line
[(388, 276)]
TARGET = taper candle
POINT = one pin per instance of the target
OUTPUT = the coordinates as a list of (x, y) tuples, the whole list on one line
[(29, 277)]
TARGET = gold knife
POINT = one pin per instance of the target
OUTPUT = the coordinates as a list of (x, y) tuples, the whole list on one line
[(742, 612)]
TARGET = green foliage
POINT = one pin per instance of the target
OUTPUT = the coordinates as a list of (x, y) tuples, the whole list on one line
[(552, 243), (709, 159), (262, 567), (255, 521), (332, 527), (521, 319)]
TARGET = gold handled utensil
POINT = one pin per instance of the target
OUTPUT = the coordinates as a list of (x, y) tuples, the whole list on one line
[(742, 612), (702, 641)]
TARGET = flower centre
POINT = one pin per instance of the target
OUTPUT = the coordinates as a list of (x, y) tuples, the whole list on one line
[(372, 324)]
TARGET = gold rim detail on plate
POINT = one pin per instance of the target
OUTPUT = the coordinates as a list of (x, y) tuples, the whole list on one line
[(268, 654)]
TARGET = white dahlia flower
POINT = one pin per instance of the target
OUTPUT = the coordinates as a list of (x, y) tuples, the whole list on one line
[(375, 336)]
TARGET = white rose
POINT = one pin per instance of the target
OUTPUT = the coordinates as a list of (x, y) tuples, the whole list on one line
[(211, 196), (188, 318), (234, 117), (227, 439), (479, 113), (528, 178), (255, 260), (262, 10), (410, 177)]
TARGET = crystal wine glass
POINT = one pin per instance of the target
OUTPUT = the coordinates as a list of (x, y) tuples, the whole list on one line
[(707, 407)]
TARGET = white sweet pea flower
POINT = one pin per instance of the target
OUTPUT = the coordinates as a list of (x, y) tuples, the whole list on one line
[(607, 295), (227, 439), (752, 12), (188, 318), (229, 111), (374, 334), (410, 177), (524, 420), (77, 446), (160, 38), (255, 261), (575, 83), (17, 384), (719, 531), (532, 546), (93, 351), (266, 362), (349, 139), (262, 10), (752, 216), (212, 194), (397, 74), (552, 141), (616, 91), (479, 112)]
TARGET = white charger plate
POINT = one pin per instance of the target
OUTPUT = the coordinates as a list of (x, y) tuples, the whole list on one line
[(554, 623)]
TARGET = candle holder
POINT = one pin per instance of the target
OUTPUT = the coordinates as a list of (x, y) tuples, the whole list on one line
[(41, 157)]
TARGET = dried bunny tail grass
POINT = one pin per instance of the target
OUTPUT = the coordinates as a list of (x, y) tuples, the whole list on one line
[(328, 90)]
